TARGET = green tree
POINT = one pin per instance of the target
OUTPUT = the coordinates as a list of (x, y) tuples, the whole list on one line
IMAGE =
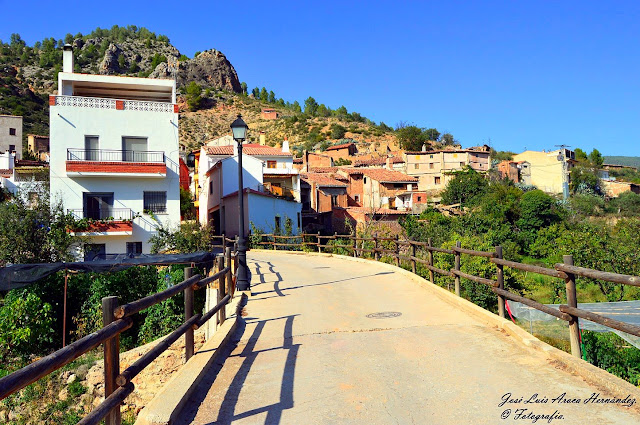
[(448, 140), (323, 111), (256, 93), (194, 96), (272, 97), (580, 155), (296, 107), (411, 138), (186, 204), (157, 59), (596, 159), (264, 95), (310, 106), (464, 187), (537, 210), (243, 87), (432, 134), (337, 131), (585, 180)]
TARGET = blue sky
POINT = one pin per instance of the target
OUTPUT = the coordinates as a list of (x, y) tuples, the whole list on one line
[(518, 74)]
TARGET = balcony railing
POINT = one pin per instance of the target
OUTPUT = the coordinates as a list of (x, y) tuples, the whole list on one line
[(107, 103), (106, 214), (114, 155)]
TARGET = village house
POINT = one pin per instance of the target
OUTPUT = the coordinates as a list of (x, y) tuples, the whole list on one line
[(388, 189), (26, 178), (517, 172), (11, 134), (549, 171), (311, 160), (269, 114), (39, 146), (343, 151), (435, 168), (114, 157), (271, 187), (321, 193)]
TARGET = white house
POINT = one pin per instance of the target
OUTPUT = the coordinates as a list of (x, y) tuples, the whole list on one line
[(25, 178), (271, 188), (114, 157), (11, 134)]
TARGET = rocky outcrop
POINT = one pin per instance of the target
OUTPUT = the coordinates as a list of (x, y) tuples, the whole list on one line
[(109, 64), (209, 69)]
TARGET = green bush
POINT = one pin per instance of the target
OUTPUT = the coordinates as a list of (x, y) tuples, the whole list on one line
[(26, 325)]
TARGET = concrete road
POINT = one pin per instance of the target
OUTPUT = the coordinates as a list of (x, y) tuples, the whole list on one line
[(333, 341)]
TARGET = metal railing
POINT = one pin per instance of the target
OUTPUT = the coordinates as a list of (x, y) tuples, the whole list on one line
[(109, 103), (114, 155), (109, 214), (117, 319), (414, 252)]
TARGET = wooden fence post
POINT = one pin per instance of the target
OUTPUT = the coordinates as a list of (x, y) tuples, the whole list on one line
[(335, 241), (413, 257), (500, 268), (376, 254), (429, 244), (111, 359), (457, 266), (319, 243), (397, 253), (188, 314), (222, 314), (227, 261), (355, 245), (572, 301), (224, 243)]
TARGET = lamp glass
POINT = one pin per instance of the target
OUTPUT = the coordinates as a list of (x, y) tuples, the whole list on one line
[(239, 129)]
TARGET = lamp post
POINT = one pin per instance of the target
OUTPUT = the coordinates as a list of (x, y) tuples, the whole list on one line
[(239, 129)]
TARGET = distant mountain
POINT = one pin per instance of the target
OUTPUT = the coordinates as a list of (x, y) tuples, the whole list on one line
[(631, 161)]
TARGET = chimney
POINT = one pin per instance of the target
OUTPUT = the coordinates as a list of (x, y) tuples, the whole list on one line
[(263, 141), (424, 147), (285, 146), (389, 167), (305, 161), (67, 58)]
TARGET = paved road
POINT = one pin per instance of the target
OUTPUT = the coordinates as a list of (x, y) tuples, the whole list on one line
[(310, 353)]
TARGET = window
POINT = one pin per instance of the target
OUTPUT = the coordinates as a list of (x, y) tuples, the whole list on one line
[(431, 156), (134, 149), (431, 165), (419, 199), (91, 146), (416, 166), (277, 229), (98, 206), (12, 148), (271, 164), (95, 251), (357, 198), (334, 201), (134, 248), (398, 185), (210, 187), (436, 180), (156, 202), (12, 132), (365, 180), (299, 221), (462, 164)]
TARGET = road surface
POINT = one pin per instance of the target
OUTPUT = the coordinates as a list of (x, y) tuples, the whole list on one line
[(333, 341)]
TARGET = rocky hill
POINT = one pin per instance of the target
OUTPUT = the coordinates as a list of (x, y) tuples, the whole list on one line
[(29, 73)]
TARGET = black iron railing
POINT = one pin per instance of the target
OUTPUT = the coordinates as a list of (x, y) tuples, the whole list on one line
[(114, 155), (110, 214)]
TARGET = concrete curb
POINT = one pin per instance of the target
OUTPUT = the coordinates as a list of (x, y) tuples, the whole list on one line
[(167, 405), (591, 374)]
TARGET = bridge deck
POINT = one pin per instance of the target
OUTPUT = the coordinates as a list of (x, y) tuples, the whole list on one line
[(310, 355)]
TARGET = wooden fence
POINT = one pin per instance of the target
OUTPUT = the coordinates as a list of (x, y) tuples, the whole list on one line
[(414, 252), (117, 319)]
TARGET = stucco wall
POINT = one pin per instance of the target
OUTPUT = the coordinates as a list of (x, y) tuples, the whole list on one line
[(6, 139)]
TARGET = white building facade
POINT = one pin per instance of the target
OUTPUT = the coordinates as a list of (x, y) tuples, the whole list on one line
[(114, 157), (11, 134)]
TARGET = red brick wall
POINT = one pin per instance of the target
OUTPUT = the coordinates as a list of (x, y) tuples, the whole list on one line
[(354, 188), (116, 167)]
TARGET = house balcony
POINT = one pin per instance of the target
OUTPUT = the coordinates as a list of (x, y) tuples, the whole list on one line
[(115, 163), (110, 103), (279, 192), (103, 222)]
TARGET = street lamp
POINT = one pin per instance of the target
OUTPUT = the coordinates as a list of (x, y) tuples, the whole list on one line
[(239, 129)]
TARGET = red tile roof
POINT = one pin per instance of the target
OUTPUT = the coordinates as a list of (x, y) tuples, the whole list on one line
[(382, 175), (248, 149), (343, 146), (324, 169), (378, 161), (321, 180)]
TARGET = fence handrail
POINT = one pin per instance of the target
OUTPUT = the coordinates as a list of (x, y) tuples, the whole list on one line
[(566, 271), (121, 385)]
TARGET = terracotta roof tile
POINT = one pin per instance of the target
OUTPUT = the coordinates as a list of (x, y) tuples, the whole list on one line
[(369, 211), (321, 180), (343, 146), (382, 175), (248, 149)]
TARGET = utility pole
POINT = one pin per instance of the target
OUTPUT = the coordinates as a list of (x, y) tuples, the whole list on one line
[(565, 170)]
